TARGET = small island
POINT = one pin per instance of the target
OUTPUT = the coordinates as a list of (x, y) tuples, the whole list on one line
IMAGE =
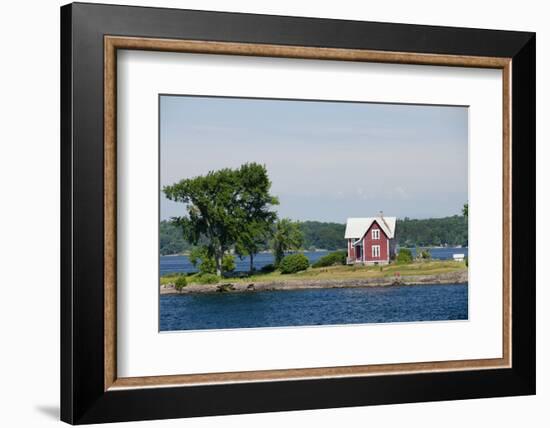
[(431, 272)]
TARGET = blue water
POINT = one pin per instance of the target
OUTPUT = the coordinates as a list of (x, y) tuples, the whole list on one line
[(171, 264), (314, 307), (444, 253)]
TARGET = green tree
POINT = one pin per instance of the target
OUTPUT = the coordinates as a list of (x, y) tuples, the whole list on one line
[(257, 217), (465, 210), (287, 236), (252, 240), (220, 205)]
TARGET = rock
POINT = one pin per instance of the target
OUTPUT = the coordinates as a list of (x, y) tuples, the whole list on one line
[(251, 287), (222, 288)]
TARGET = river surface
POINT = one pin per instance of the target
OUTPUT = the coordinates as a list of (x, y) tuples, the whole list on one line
[(172, 264), (314, 307)]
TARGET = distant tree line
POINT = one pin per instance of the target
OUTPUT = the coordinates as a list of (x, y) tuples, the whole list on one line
[(432, 232), (171, 239), (326, 236)]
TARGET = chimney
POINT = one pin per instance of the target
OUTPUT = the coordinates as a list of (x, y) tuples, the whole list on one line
[(381, 213)]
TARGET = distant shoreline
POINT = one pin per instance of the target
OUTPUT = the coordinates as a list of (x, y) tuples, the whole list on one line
[(317, 250), (457, 277), (321, 250)]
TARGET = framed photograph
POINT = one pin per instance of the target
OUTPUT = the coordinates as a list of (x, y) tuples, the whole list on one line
[(266, 213)]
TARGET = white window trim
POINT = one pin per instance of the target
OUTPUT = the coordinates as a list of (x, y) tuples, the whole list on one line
[(376, 235), (376, 251)]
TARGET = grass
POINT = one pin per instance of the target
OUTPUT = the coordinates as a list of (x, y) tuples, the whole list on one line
[(432, 267), (171, 279)]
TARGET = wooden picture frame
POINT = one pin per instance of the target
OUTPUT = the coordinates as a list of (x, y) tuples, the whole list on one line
[(91, 390)]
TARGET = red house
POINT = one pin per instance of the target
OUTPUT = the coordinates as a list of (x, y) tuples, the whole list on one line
[(371, 240)]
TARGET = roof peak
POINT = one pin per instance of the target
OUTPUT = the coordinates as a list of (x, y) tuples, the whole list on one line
[(368, 218), (356, 227)]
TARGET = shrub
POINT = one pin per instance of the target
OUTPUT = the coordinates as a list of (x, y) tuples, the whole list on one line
[(404, 256), (207, 266), (425, 254), (199, 257), (268, 268), (208, 278), (181, 282), (335, 258), (228, 263), (294, 263)]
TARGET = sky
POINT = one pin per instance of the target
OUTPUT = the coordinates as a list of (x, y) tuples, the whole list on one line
[(327, 161)]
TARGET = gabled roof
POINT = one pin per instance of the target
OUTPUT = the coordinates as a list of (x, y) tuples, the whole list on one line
[(358, 226)]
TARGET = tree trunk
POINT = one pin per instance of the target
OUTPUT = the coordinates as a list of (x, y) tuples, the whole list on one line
[(219, 257), (278, 257), (251, 262)]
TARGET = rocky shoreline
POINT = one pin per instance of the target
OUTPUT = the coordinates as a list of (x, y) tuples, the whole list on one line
[(459, 277)]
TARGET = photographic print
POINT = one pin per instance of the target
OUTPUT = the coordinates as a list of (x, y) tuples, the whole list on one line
[(283, 212)]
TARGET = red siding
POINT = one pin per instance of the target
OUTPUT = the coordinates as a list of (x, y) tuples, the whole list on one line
[(368, 242)]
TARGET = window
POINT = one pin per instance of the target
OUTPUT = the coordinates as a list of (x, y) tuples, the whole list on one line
[(375, 233), (376, 251)]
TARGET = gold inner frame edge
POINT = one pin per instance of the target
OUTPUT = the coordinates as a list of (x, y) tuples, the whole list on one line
[(113, 43)]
